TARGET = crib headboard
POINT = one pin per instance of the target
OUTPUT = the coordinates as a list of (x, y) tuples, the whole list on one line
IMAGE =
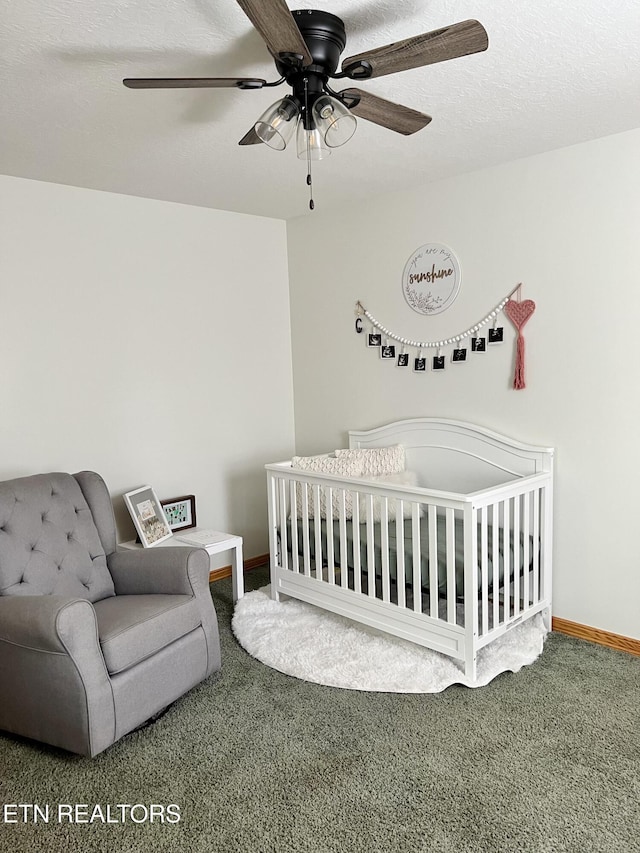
[(457, 456)]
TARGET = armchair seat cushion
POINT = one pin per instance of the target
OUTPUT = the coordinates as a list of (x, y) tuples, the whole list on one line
[(132, 628)]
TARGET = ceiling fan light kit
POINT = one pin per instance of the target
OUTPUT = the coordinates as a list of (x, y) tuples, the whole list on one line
[(276, 125), (311, 144), (306, 45), (334, 121)]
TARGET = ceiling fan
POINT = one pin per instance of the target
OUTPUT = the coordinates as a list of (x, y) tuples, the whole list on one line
[(306, 46)]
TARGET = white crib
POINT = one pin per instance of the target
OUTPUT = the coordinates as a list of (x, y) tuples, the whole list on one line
[(451, 565)]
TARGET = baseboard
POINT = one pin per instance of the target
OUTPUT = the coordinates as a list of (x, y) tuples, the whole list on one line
[(251, 563), (595, 635)]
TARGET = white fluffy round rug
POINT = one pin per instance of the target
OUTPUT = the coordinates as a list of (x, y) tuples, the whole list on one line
[(315, 645)]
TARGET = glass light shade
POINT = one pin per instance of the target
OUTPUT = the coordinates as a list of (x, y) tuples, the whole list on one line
[(334, 121), (276, 125), (316, 150)]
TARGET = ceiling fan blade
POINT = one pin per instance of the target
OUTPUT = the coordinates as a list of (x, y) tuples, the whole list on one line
[(193, 83), (250, 138), (447, 43), (277, 26), (385, 113)]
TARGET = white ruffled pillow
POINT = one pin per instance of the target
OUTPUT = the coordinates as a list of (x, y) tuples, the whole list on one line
[(376, 461), (337, 466)]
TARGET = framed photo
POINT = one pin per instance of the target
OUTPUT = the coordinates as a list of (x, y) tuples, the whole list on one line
[(388, 351), (180, 512), (374, 339), (148, 516)]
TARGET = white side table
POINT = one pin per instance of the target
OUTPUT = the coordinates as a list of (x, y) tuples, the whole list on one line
[(226, 542)]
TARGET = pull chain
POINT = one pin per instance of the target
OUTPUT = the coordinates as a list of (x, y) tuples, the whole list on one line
[(306, 113)]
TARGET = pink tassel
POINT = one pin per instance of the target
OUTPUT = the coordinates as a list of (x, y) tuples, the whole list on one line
[(518, 378), (519, 313)]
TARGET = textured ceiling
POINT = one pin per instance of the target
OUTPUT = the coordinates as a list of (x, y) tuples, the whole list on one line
[(557, 72)]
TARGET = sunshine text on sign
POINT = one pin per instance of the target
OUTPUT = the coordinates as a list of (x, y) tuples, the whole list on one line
[(416, 277)]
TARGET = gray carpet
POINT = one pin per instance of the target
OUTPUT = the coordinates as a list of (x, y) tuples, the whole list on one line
[(544, 760)]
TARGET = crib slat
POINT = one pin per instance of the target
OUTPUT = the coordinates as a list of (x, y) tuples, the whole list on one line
[(344, 567), (516, 555), (371, 554), (536, 546), (357, 568), (495, 561), (470, 525), (317, 528), (283, 522), (384, 545), (506, 559), (526, 512), (484, 569), (451, 565), (400, 579), (330, 550), (415, 537), (433, 560), (293, 515), (306, 545)]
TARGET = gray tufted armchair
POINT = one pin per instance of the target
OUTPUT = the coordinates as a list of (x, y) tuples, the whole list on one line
[(93, 641)]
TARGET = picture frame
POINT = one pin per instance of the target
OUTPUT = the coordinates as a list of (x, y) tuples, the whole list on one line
[(180, 512), (148, 516)]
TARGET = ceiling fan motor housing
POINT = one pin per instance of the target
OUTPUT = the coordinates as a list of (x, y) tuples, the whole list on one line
[(325, 36)]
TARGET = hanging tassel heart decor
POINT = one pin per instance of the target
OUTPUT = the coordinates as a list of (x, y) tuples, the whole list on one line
[(519, 313)]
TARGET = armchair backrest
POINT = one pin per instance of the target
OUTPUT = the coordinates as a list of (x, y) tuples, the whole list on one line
[(49, 541)]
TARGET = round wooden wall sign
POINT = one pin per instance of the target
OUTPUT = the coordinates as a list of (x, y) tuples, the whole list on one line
[(431, 279)]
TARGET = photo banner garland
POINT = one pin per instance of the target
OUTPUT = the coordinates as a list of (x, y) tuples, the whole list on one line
[(518, 312)]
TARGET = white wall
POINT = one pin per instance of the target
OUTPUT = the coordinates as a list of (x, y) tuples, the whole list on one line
[(566, 225), (143, 340)]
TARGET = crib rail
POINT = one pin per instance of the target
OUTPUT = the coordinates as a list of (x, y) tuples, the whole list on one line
[(450, 571)]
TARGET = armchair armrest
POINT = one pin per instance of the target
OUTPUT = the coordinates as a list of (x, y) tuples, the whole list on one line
[(170, 571), (53, 678), (48, 623)]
